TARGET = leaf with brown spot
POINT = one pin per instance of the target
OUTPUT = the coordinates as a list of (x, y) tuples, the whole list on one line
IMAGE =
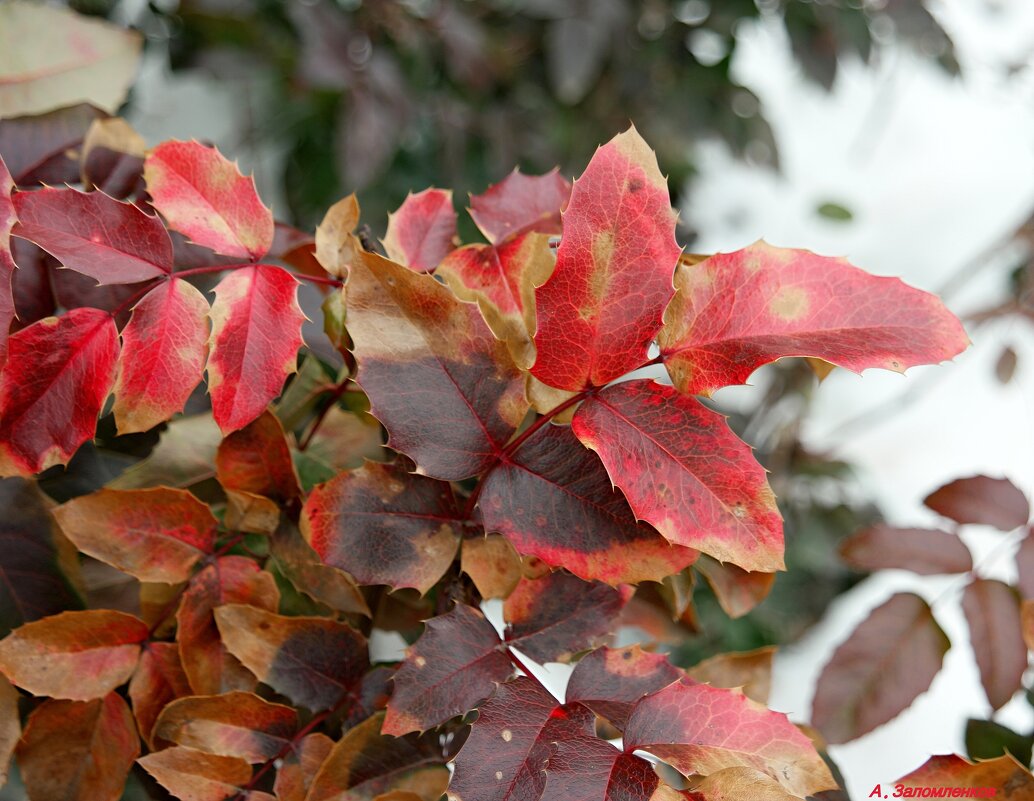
[(235, 724), (78, 750), (383, 525), (552, 618), (300, 765), (10, 725), (879, 670), (701, 729), (749, 670), (164, 348), (492, 564), (505, 756), (553, 499), (737, 590), (684, 472), (923, 551), (337, 246), (75, 655), (502, 279), (256, 333), (196, 776), (365, 764), (611, 680), (454, 665), (314, 661), (230, 579), (159, 679), (153, 534), (982, 501), (257, 459), (1011, 780), (419, 348), (251, 513), (204, 196), (521, 203), (992, 611), (32, 584), (603, 304), (422, 230), (734, 312), (590, 768)]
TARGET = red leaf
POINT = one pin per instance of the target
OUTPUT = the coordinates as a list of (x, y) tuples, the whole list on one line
[(521, 203), (257, 459), (78, 750), (420, 348), (58, 374), (75, 655), (590, 769), (504, 758), (684, 472), (501, 279), (204, 196), (32, 584), (554, 500), (235, 724), (734, 312), (152, 534), (7, 265), (383, 525), (256, 333), (196, 776), (982, 501), (230, 579), (454, 665), (365, 764), (879, 670), (164, 348), (738, 591), (992, 611), (421, 231), (554, 617), (159, 679), (923, 551), (96, 235), (610, 681), (602, 306), (313, 661), (701, 729), (1013, 781)]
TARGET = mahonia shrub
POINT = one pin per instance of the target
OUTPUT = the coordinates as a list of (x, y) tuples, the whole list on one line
[(519, 464), (856, 693)]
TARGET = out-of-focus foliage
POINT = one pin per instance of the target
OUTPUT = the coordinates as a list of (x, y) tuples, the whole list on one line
[(385, 95)]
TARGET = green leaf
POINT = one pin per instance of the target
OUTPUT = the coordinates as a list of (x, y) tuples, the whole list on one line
[(986, 739)]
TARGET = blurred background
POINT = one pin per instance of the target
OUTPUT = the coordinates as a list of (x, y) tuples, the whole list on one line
[(897, 133)]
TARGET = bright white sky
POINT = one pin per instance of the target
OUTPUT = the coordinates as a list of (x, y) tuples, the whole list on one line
[(937, 172)]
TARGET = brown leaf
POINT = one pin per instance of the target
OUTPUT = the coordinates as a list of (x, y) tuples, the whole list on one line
[(492, 564), (737, 590), (879, 670), (923, 551), (337, 246), (750, 670), (74, 655), (981, 500), (992, 611), (78, 750), (159, 679), (196, 776), (1013, 781), (300, 765), (235, 724), (10, 725)]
